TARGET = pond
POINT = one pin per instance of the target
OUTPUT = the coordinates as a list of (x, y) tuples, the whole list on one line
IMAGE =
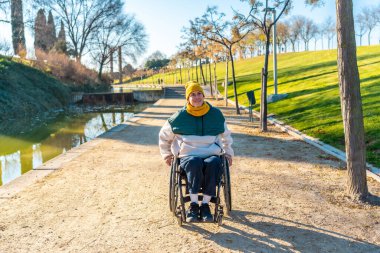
[(30, 148)]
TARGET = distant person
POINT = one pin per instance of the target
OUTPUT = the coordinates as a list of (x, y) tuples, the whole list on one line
[(197, 134)]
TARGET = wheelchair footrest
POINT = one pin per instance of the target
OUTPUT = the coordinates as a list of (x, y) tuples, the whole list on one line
[(200, 221), (200, 198)]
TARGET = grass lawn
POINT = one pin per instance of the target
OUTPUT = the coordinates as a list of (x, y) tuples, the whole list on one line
[(313, 105)]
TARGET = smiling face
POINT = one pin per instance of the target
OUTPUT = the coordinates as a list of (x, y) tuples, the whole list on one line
[(196, 98)]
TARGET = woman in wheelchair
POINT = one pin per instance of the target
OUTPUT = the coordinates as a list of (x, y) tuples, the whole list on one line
[(197, 135)]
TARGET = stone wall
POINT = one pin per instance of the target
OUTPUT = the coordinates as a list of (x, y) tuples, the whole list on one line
[(147, 95)]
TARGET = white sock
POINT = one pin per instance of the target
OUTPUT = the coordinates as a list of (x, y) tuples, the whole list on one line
[(206, 199), (194, 198)]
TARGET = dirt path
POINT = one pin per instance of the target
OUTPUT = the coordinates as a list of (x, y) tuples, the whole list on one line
[(287, 197)]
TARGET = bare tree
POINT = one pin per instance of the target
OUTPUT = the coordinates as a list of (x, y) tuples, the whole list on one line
[(5, 48), (249, 43), (83, 18), (377, 12), (295, 30), (308, 30), (259, 18), (283, 34), (370, 19), (4, 6), (360, 27), (322, 33), (194, 40), (330, 30), (215, 28), (317, 35), (260, 41), (122, 31)]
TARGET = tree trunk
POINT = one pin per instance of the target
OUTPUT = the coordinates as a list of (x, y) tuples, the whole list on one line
[(351, 104), (206, 72), (111, 62), (120, 66), (104, 122), (215, 82), (201, 69), (196, 70), (100, 70), (210, 77), (226, 82), (322, 42), (263, 102), (180, 73), (17, 23), (234, 81), (192, 70), (369, 37)]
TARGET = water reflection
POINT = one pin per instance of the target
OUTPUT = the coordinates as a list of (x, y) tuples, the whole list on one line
[(22, 153), (10, 167), (37, 155)]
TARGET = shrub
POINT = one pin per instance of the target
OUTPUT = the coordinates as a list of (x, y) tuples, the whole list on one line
[(69, 71)]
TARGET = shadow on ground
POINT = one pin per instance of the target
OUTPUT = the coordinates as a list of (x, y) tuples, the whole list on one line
[(262, 233)]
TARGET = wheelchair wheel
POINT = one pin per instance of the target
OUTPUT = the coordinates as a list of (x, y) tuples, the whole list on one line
[(173, 193), (227, 186)]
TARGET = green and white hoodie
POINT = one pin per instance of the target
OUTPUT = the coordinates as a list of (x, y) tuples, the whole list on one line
[(186, 135)]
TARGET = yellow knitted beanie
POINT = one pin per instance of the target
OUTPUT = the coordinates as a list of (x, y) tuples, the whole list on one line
[(192, 86)]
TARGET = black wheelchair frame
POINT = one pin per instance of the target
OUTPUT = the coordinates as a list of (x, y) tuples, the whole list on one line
[(179, 195)]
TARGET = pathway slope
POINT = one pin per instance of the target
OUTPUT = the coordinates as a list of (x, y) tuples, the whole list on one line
[(112, 197)]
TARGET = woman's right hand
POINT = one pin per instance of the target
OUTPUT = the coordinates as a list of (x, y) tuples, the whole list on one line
[(168, 160), (229, 159)]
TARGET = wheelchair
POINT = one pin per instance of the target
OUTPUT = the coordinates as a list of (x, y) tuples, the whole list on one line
[(179, 194)]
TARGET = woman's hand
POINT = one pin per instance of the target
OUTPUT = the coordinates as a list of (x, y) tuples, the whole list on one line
[(168, 160), (229, 159)]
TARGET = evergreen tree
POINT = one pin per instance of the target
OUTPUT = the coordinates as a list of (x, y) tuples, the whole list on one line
[(62, 33), (39, 31), (17, 22), (50, 33), (60, 45)]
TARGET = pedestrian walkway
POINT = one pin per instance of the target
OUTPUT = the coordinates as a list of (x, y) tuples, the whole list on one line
[(110, 195)]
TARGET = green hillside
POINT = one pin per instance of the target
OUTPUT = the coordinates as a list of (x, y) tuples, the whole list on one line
[(313, 105), (26, 92), (311, 81)]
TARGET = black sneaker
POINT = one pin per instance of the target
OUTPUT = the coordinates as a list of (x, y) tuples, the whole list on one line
[(192, 213), (205, 213)]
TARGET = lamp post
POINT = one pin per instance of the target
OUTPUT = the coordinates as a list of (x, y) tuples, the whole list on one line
[(274, 97), (273, 10), (274, 53)]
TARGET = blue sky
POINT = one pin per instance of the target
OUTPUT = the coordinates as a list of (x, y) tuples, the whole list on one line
[(164, 19)]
